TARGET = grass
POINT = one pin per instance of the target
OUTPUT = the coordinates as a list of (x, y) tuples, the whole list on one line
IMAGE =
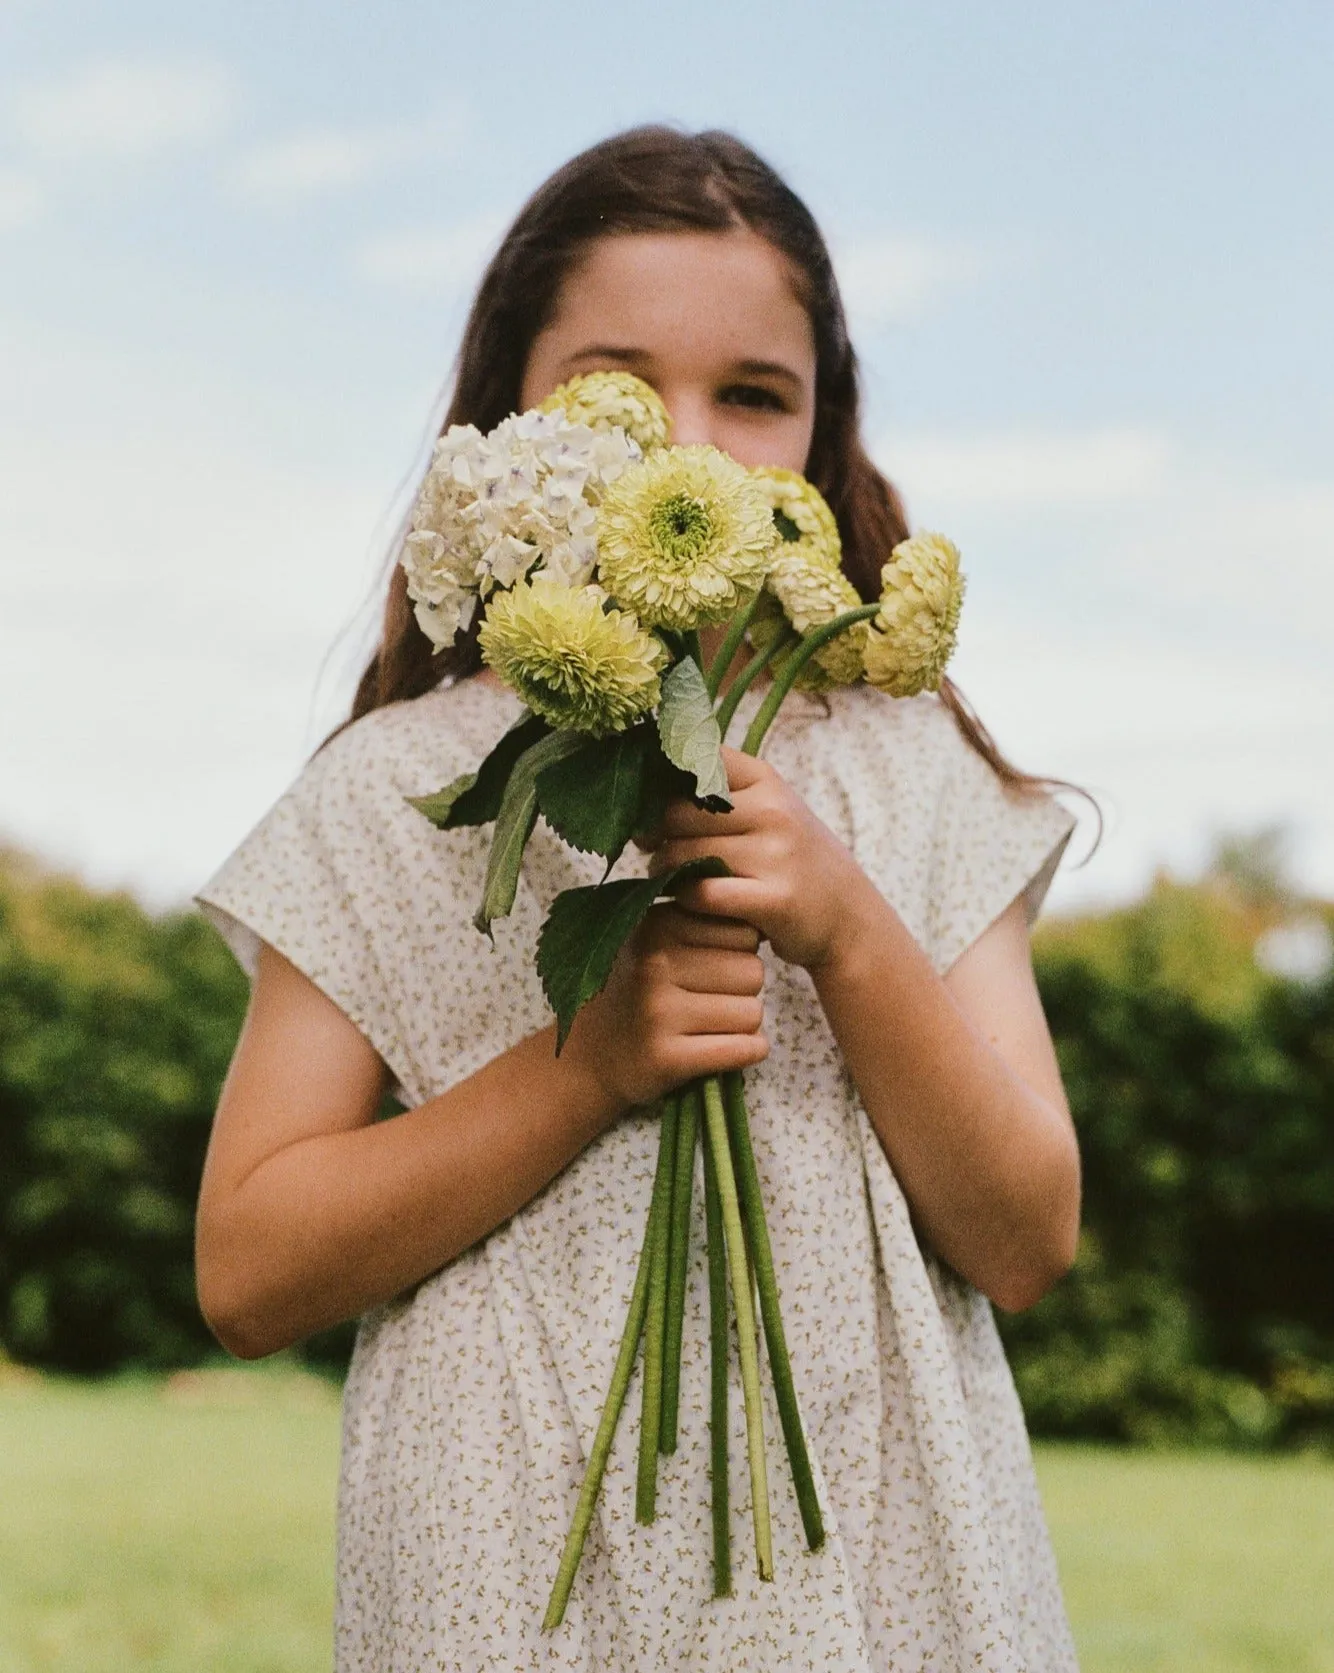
[(1195, 1561), (187, 1527), (184, 1527)]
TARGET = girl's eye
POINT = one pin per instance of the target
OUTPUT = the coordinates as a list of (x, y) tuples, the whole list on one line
[(753, 395)]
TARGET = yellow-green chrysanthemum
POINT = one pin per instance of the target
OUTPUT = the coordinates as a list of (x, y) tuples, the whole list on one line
[(603, 400), (803, 595), (913, 637), (572, 660), (804, 520), (684, 538)]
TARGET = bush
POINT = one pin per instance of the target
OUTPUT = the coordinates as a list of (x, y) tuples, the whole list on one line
[(116, 1031), (1201, 1301), (1200, 1306)]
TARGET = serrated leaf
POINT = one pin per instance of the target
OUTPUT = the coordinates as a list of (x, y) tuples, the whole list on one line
[(689, 732), (514, 824), (663, 783), (475, 798), (593, 798), (587, 927)]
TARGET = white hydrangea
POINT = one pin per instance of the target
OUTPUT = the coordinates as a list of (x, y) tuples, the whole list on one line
[(493, 509)]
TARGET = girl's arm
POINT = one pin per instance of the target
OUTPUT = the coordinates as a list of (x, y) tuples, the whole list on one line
[(958, 1075), (311, 1211)]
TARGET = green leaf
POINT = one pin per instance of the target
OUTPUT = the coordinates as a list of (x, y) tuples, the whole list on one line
[(593, 798), (475, 798), (690, 736), (514, 824), (587, 927), (663, 783)]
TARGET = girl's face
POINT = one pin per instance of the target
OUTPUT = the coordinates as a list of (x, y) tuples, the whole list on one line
[(710, 320)]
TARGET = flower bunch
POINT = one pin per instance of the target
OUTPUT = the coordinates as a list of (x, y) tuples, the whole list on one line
[(614, 400), (595, 552), (494, 508), (571, 656), (915, 628)]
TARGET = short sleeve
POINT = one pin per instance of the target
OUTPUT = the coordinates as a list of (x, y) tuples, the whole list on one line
[(992, 844), (291, 884)]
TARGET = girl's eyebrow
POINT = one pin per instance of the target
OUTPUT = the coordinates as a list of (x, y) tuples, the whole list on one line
[(610, 351), (632, 356), (768, 369)]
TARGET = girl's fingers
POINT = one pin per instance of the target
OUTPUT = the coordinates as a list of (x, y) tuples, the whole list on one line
[(716, 1013), (671, 926), (710, 970), (683, 818), (738, 852), (729, 897), (715, 1054), (744, 770)]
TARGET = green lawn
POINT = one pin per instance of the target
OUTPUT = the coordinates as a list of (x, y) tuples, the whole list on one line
[(187, 1527)]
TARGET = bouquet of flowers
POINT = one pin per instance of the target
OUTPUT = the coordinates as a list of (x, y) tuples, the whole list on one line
[(595, 552)]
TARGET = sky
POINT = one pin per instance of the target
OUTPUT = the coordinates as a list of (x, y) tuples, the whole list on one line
[(1087, 252)]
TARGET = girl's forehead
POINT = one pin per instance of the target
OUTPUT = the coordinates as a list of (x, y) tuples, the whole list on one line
[(657, 291)]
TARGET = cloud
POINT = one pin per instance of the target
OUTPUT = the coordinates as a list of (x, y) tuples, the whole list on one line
[(450, 258), (194, 665), (124, 109), (320, 160), (887, 279), (1028, 468), (21, 199)]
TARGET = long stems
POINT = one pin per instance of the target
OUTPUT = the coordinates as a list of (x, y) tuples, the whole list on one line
[(715, 1126), (731, 644), (780, 1365), (660, 1212), (747, 677), (718, 1406), (678, 1269), (600, 1451), (795, 663)]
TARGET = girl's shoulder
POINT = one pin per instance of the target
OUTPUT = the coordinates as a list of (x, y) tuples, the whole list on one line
[(931, 821), (894, 752), (442, 734), (334, 859)]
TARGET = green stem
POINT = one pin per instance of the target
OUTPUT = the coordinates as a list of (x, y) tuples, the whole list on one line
[(600, 1451), (715, 1123), (795, 663), (660, 1212), (747, 677), (690, 638), (780, 1365), (678, 1270), (718, 1407), (731, 644)]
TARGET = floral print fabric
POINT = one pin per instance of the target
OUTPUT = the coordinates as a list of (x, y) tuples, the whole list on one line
[(472, 1401)]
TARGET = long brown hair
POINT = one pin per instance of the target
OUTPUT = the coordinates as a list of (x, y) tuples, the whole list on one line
[(656, 179)]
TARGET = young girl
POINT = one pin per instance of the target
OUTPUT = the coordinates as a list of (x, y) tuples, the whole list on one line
[(867, 963)]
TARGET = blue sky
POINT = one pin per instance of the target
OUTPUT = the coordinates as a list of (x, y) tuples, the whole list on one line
[(1087, 250)]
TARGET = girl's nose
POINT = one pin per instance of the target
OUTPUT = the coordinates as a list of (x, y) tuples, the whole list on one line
[(692, 416)]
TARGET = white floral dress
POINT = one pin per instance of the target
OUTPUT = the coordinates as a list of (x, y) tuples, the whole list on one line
[(472, 1401)]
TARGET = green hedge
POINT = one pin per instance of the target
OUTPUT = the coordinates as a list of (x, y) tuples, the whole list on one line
[(1202, 1301), (1201, 1305), (116, 1028)]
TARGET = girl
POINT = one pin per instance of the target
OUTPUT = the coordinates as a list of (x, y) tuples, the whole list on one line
[(867, 961)]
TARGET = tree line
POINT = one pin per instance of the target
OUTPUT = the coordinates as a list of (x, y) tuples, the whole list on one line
[(1201, 1305)]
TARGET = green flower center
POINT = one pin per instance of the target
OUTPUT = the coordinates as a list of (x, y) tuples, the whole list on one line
[(681, 527)]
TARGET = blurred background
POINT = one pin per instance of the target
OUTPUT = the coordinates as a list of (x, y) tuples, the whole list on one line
[(1087, 253)]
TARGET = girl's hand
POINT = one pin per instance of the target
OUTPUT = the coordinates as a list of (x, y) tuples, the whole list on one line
[(793, 879), (683, 1000)]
